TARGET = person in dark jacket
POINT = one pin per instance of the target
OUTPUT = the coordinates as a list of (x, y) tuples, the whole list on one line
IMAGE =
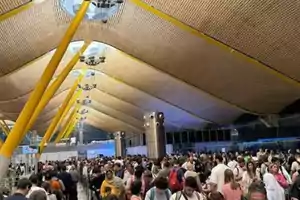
[(96, 182), (70, 186)]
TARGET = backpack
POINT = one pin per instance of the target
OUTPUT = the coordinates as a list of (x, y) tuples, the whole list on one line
[(152, 194), (179, 194), (174, 183), (55, 185)]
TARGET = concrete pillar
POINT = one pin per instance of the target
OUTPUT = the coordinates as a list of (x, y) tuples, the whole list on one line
[(120, 146), (80, 132), (155, 134)]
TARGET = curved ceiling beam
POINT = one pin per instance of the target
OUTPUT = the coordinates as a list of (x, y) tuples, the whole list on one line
[(51, 109), (97, 112), (99, 115), (155, 96), (69, 80), (215, 42), (112, 112), (114, 129)]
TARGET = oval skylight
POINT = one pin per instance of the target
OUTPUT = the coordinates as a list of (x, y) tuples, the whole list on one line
[(98, 10)]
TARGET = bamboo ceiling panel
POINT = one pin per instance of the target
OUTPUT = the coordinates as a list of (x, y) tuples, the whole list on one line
[(23, 81), (163, 86), (101, 125), (112, 122), (266, 30), (15, 106), (141, 99), (116, 114), (155, 41), (6, 6)]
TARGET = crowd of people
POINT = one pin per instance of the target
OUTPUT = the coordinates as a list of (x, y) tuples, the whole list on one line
[(263, 175)]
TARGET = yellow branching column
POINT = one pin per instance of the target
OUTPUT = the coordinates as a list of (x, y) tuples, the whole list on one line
[(15, 135), (54, 87), (69, 121), (65, 107), (70, 130)]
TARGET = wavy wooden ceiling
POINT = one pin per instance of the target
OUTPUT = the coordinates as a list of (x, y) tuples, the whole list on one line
[(193, 81)]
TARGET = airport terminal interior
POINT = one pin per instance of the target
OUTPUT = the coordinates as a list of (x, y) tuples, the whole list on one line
[(152, 76)]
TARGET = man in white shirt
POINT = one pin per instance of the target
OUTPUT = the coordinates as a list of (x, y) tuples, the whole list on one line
[(232, 163), (189, 192), (217, 174), (238, 171)]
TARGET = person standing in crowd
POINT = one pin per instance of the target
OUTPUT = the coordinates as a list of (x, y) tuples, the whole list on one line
[(232, 164), (257, 191), (129, 171), (70, 187), (249, 176), (176, 177), (119, 171), (136, 188), (189, 191), (238, 171), (138, 175), (217, 174), (47, 187), (160, 191), (231, 190), (35, 189), (115, 184), (165, 171), (96, 182), (23, 187), (275, 183)]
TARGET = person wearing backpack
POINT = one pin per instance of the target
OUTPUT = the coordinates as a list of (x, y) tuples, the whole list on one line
[(160, 190), (189, 191), (176, 177)]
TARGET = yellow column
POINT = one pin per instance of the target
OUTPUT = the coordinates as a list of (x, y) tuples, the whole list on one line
[(62, 109), (70, 130), (54, 87), (15, 137), (69, 121)]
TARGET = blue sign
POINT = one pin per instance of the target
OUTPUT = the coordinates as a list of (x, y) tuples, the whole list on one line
[(28, 150)]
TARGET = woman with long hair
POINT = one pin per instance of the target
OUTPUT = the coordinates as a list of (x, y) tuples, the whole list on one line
[(231, 189), (275, 183), (249, 176)]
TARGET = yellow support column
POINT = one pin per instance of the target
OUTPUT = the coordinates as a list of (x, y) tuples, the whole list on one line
[(15, 137), (70, 129), (59, 114), (69, 121), (54, 87)]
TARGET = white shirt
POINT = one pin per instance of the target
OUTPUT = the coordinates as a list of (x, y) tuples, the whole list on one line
[(238, 172), (217, 175), (232, 164), (295, 166), (193, 197)]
